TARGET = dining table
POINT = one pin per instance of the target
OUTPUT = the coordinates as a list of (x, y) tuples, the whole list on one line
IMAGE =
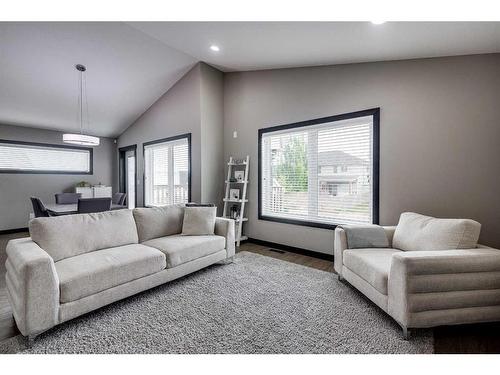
[(72, 208)]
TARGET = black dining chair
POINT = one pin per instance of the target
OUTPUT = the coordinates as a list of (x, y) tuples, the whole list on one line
[(88, 205), (38, 208), (122, 200), (119, 198), (67, 198)]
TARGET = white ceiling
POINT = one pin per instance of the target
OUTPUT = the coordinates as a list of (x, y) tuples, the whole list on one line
[(126, 72), (130, 65), (268, 45)]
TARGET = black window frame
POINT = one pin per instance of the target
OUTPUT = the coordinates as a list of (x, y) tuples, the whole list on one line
[(50, 145), (163, 140), (121, 170), (375, 112)]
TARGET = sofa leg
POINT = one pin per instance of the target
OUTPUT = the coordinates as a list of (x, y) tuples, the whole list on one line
[(29, 340), (406, 333), (340, 278), (228, 260)]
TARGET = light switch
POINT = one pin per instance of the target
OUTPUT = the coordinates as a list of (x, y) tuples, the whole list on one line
[(235, 134)]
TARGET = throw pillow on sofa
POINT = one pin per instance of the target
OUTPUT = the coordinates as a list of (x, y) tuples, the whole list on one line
[(155, 222), (199, 221), (416, 232)]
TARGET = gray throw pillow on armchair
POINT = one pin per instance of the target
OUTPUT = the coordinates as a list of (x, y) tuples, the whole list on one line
[(199, 221)]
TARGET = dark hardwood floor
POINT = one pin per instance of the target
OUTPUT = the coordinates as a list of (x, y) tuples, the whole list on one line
[(474, 338)]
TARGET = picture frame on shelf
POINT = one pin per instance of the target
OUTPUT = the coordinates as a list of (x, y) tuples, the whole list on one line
[(234, 194), (234, 212), (239, 176)]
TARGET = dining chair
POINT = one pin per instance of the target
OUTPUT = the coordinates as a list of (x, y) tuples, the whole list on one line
[(67, 198), (124, 197), (38, 208), (88, 205), (119, 198)]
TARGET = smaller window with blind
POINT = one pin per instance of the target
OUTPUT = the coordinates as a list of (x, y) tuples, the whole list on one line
[(321, 172), (167, 171), (40, 158)]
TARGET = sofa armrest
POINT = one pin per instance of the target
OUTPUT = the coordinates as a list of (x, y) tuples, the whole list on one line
[(225, 227), (389, 230), (447, 261), (32, 286), (439, 280), (340, 244)]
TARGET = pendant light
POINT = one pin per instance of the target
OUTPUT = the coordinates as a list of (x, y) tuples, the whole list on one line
[(75, 138)]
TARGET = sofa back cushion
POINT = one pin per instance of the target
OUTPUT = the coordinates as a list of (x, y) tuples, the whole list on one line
[(70, 235), (154, 222), (416, 232)]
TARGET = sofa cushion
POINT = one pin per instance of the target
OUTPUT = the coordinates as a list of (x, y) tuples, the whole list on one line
[(90, 273), (372, 265), (416, 232), (70, 235), (199, 221), (154, 222), (181, 249)]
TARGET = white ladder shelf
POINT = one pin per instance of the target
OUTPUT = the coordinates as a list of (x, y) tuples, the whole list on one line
[(242, 199)]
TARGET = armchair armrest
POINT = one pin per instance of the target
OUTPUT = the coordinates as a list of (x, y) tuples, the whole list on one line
[(423, 281), (225, 227), (340, 244), (32, 286)]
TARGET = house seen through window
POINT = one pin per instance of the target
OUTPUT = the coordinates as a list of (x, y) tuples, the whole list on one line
[(166, 171), (320, 172)]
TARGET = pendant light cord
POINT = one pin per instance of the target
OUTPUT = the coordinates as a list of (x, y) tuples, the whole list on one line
[(86, 102), (80, 102), (83, 106)]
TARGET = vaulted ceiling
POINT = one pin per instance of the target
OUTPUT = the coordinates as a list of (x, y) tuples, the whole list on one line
[(127, 71), (270, 45), (130, 65)]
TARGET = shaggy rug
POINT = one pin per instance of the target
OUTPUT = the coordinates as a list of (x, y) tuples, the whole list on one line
[(255, 305)]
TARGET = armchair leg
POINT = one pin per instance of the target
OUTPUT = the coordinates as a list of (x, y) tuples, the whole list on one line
[(228, 260), (340, 278)]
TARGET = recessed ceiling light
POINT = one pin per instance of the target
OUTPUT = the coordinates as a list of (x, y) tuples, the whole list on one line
[(214, 48), (378, 22)]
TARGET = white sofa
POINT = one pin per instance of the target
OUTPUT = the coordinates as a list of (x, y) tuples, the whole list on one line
[(74, 264), (433, 272)]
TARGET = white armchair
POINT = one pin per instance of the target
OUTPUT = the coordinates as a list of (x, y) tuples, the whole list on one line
[(425, 288)]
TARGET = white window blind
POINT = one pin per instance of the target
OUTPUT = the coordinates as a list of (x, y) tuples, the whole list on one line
[(320, 173), (34, 158), (166, 173)]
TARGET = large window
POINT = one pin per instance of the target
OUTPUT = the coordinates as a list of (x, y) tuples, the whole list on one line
[(167, 171), (321, 172), (28, 157)]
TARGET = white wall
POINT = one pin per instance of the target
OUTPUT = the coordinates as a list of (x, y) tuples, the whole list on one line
[(16, 189), (439, 126)]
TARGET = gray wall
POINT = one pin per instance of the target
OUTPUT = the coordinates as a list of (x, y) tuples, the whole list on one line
[(176, 112), (181, 110), (440, 133), (212, 133), (16, 189)]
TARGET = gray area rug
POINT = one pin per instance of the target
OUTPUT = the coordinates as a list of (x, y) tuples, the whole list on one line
[(255, 305)]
